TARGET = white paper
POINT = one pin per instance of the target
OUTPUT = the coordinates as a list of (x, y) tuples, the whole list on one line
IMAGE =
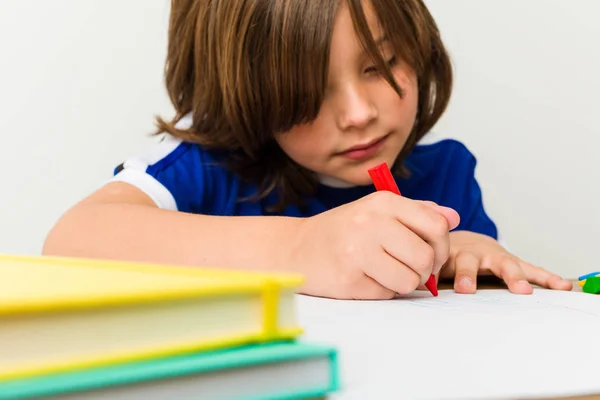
[(493, 344)]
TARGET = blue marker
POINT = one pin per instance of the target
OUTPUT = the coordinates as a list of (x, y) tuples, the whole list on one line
[(582, 277)]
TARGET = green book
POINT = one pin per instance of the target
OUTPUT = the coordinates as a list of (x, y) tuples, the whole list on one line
[(280, 370)]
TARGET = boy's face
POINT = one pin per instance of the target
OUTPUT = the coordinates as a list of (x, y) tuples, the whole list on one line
[(362, 121)]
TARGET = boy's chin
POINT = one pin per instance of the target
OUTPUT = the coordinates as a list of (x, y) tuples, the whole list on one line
[(352, 176), (362, 180), (347, 180)]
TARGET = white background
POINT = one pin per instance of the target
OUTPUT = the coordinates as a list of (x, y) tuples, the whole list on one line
[(80, 83)]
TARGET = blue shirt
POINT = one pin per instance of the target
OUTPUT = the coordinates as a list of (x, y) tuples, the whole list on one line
[(186, 177)]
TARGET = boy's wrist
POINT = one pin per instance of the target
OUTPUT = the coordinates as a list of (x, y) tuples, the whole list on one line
[(286, 245)]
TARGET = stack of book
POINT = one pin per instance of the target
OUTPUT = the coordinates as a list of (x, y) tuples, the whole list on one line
[(89, 329)]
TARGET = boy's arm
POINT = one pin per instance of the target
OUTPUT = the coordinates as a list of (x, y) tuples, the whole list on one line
[(355, 251), (120, 221)]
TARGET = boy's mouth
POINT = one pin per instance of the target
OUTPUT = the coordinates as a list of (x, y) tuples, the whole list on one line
[(366, 150)]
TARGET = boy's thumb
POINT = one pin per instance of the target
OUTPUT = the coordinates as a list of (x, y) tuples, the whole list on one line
[(450, 214)]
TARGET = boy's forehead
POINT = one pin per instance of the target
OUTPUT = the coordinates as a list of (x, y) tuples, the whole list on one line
[(345, 38), (372, 20)]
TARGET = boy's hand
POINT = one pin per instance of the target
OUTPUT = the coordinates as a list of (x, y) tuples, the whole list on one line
[(372, 248), (473, 254)]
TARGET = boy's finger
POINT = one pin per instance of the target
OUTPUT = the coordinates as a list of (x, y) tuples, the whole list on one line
[(429, 224), (559, 283), (510, 271), (392, 274), (408, 248), (540, 276), (370, 289), (450, 214), (466, 266)]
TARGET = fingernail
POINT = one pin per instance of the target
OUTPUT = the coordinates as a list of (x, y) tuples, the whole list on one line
[(524, 285), (465, 282)]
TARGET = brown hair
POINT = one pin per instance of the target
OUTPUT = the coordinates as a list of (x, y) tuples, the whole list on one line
[(247, 69)]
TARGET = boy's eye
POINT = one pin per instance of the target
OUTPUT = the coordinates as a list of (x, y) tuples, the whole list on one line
[(391, 62)]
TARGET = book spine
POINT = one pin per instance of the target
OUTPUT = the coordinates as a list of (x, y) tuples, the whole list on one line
[(270, 303)]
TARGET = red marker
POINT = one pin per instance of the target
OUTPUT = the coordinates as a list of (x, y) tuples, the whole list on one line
[(383, 180)]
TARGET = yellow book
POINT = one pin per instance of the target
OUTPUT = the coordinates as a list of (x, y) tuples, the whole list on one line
[(59, 314)]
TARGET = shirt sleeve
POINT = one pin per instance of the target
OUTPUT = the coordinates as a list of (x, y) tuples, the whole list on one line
[(171, 173), (469, 205), (473, 216), (444, 172)]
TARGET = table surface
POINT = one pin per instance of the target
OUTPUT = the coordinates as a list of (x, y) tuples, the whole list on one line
[(492, 282), (495, 283), (368, 365)]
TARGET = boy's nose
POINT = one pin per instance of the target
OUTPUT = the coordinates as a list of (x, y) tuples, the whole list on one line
[(356, 109)]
